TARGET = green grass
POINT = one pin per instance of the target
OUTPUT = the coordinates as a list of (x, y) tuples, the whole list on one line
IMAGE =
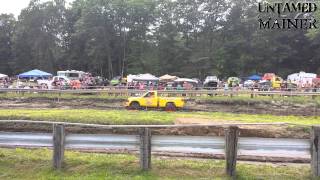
[(36, 164), (146, 117), (90, 116)]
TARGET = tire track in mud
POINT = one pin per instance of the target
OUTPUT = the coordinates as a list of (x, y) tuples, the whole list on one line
[(193, 105)]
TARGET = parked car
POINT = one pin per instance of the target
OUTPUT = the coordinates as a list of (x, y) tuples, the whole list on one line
[(56, 81), (117, 80), (265, 85), (211, 82), (288, 86), (233, 81)]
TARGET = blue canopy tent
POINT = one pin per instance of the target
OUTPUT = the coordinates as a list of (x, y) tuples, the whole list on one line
[(254, 78), (36, 73)]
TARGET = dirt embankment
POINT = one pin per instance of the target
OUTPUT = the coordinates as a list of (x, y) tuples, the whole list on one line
[(266, 131), (276, 107)]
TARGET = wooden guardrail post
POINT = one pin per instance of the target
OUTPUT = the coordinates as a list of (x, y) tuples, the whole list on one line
[(315, 150), (231, 145), (145, 148), (58, 145)]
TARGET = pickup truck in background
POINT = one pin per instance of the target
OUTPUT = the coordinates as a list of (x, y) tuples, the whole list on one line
[(55, 81), (152, 100)]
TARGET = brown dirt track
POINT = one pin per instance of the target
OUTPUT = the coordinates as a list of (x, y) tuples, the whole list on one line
[(274, 108), (272, 131)]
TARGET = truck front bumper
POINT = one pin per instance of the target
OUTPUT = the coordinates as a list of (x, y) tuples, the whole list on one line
[(126, 104)]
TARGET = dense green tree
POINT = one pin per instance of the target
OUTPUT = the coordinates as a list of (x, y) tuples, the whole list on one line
[(7, 28), (39, 36), (189, 38)]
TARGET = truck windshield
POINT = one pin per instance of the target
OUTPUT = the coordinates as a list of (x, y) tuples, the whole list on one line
[(150, 94)]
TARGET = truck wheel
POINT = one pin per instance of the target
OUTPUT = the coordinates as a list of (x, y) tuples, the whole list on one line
[(170, 107), (135, 105)]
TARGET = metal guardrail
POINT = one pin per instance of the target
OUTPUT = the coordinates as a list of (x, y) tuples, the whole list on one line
[(231, 146), (127, 92), (102, 126), (210, 145)]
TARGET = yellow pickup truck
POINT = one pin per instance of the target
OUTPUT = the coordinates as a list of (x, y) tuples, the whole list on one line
[(152, 100)]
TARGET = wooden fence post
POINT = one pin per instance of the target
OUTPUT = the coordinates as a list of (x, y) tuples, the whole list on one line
[(58, 145), (315, 151), (231, 145), (145, 148)]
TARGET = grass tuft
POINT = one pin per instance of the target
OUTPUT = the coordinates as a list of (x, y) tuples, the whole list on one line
[(36, 164)]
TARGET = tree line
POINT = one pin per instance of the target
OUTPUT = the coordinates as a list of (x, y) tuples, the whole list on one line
[(189, 38)]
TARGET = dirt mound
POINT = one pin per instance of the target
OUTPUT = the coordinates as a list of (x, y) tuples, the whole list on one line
[(256, 130), (266, 131)]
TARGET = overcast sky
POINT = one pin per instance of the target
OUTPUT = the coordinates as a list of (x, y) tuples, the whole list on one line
[(14, 6)]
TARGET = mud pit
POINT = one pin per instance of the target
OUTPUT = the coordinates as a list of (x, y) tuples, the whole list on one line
[(272, 107), (46, 103)]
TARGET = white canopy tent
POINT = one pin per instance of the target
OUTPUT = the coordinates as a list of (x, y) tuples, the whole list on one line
[(142, 77), (130, 78), (3, 76), (168, 77), (301, 78), (186, 80)]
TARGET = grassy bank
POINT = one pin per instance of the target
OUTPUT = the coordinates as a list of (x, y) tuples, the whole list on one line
[(146, 117), (36, 164)]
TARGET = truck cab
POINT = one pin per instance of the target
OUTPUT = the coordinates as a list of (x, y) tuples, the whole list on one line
[(151, 100), (276, 82)]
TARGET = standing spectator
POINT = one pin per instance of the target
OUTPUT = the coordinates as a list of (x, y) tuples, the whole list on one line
[(226, 87), (179, 87), (151, 86), (141, 86), (161, 86)]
